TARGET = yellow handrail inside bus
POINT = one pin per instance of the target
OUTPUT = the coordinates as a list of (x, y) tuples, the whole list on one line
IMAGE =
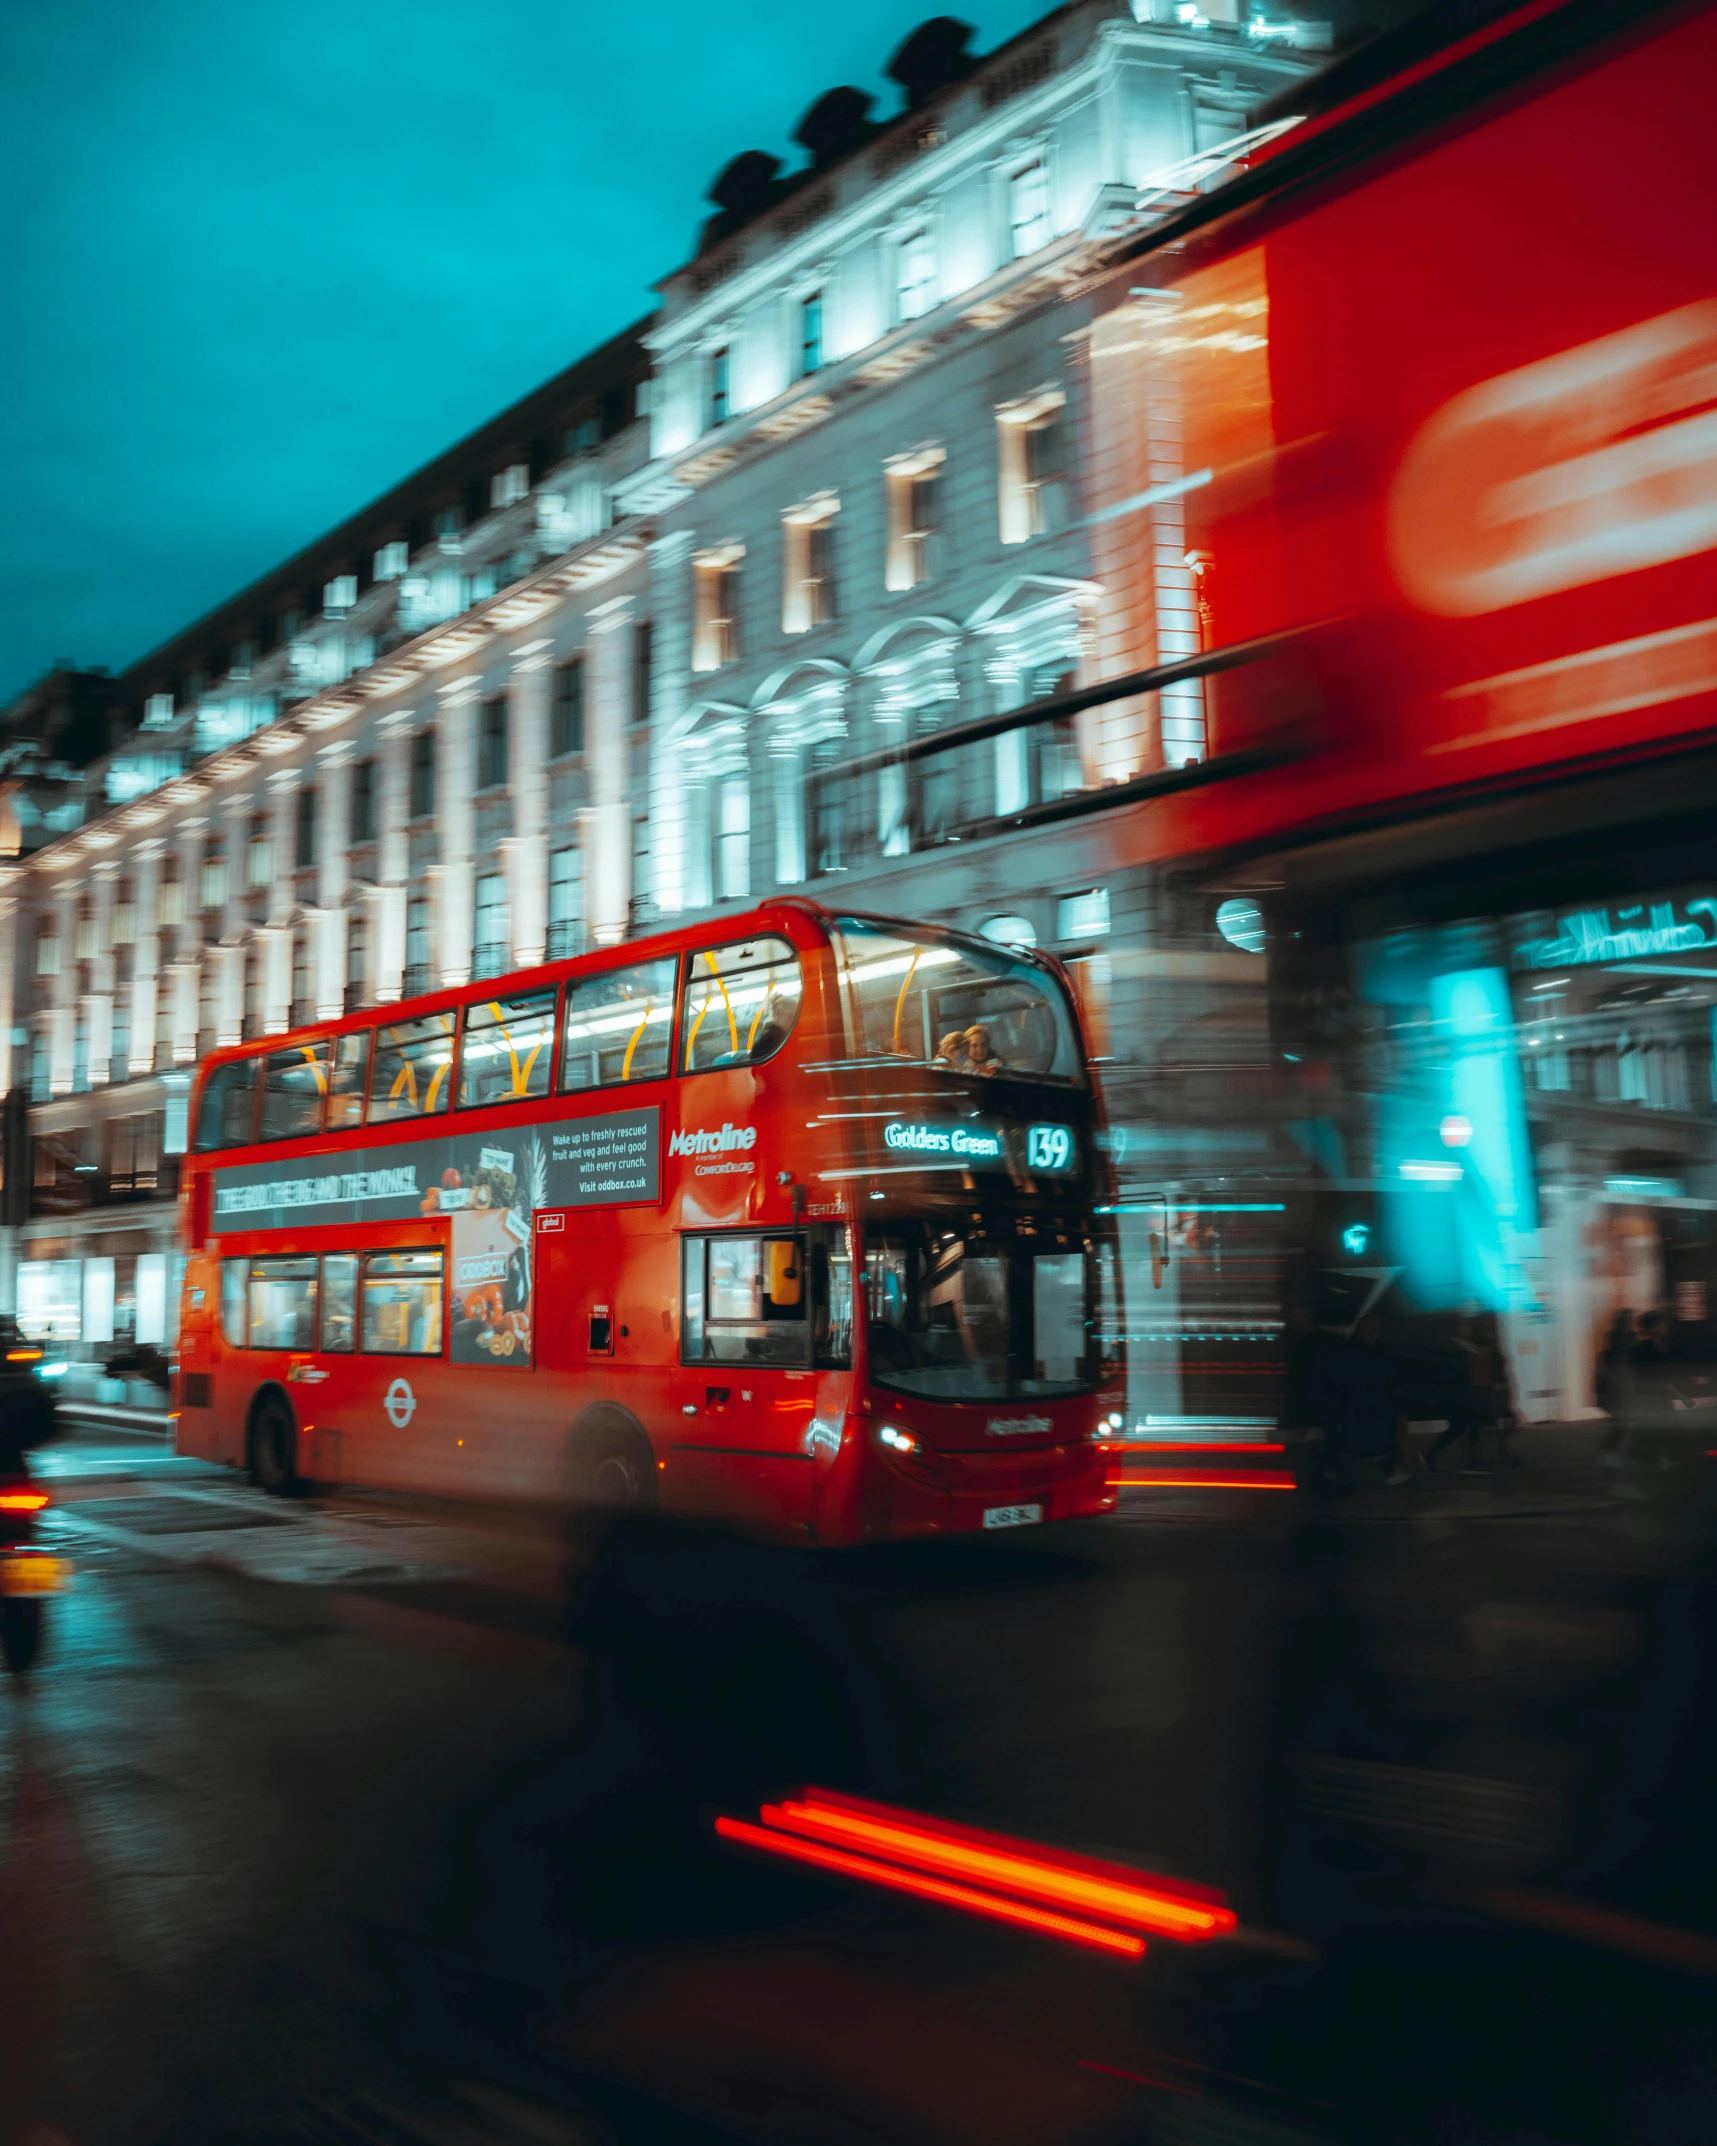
[(521, 1081), (626, 1062), (404, 1078), (900, 1002), (732, 1024), (308, 1051), (757, 1019)]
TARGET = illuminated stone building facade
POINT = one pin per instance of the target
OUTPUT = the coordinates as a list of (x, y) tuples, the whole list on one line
[(606, 663)]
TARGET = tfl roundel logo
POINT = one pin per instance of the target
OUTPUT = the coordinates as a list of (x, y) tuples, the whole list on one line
[(400, 1403)]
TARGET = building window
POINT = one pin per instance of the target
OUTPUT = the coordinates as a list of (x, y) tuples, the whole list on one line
[(732, 831), (1032, 469), (357, 960), (364, 801), (125, 916), (808, 592), (565, 904), (566, 722), (393, 562), (492, 743), (715, 627), (259, 855), (489, 955), (1028, 209), (303, 1006), (643, 669), (339, 595), (119, 1038), (134, 1153), (213, 891), (810, 333), (508, 486), (83, 936), (252, 1007), (48, 954), (720, 367), (170, 901), (1083, 916), (915, 274), (423, 775), (416, 944), (304, 843), (914, 518)]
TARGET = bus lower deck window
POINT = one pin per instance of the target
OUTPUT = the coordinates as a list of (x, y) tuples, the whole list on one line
[(339, 1302), (402, 1303), (282, 1308)]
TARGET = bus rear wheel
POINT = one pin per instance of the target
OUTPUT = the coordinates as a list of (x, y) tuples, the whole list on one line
[(617, 1474), (274, 1445)]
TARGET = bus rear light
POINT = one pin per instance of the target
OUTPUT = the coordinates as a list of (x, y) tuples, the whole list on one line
[(23, 1356), (897, 1440)]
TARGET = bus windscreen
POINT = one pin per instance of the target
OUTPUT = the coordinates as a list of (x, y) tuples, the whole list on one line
[(953, 1008)]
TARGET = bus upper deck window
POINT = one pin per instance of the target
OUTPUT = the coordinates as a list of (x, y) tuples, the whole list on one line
[(294, 1082), (740, 1004), (347, 1077), (977, 1011), (413, 1062), (618, 1026), (224, 1114), (507, 1047)]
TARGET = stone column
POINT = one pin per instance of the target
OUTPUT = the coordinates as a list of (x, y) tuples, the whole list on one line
[(671, 611), (455, 789), (530, 685), (182, 982), (393, 854), (62, 1033), (98, 1006), (605, 825), (333, 857), (145, 954), (13, 1001)]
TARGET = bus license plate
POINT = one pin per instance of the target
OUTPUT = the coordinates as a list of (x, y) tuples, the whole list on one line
[(34, 1574), (1012, 1516)]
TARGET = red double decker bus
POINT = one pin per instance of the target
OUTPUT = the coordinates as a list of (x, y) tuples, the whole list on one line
[(790, 1219)]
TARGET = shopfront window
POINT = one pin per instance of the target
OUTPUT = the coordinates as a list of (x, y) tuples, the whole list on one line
[(1515, 1115)]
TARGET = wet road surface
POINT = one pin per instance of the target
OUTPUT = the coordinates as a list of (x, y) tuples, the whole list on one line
[(324, 1820)]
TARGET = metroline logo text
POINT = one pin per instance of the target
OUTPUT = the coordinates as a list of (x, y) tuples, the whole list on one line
[(711, 1142)]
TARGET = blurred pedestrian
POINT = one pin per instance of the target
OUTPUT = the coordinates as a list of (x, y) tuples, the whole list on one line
[(1611, 1385), (1367, 1395)]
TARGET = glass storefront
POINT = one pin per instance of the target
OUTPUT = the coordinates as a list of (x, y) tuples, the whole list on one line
[(1492, 1098)]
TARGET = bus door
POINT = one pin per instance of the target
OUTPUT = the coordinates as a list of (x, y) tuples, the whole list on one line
[(379, 1397), (744, 1392)]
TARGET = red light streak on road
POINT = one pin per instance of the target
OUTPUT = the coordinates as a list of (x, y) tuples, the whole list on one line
[(1097, 1889), (1092, 1935), (22, 1501), (1151, 1449), (1203, 1479)]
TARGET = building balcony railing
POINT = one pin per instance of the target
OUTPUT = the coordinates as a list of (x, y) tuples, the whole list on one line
[(356, 997), (416, 979), (565, 939), (492, 958)]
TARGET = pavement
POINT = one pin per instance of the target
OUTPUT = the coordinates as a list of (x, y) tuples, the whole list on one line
[(325, 1819)]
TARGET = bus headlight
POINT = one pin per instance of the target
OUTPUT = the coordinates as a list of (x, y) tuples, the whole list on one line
[(897, 1440)]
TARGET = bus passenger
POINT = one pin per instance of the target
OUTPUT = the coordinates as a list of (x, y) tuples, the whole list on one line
[(981, 1053), (951, 1051)]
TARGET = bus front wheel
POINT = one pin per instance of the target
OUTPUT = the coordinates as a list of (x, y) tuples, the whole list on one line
[(615, 1471), (274, 1445)]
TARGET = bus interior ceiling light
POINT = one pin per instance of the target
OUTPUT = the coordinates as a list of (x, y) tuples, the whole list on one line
[(1108, 1902)]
